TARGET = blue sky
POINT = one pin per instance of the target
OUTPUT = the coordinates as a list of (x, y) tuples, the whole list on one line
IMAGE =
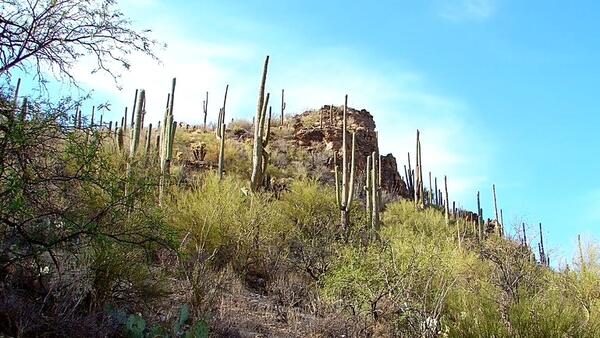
[(504, 92)]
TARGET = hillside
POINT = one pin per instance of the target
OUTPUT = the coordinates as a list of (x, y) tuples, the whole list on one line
[(96, 241)]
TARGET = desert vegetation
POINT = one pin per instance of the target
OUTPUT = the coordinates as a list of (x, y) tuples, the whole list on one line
[(129, 228)]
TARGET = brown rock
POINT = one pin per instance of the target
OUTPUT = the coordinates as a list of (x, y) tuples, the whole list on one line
[(322, 129)]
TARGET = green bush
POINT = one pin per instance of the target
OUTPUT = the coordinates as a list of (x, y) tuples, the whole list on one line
[(221, 219), (312, 215)]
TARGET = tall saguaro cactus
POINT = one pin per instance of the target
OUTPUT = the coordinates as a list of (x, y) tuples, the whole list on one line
[(136, 106), (495, 202), (544, 259), (220, 134), (16, 95), (283, 106), (221, 119), (446, 201), (373, 188), (418, 186), (581, 259), (479, 218), (262, 126), (221, 166), (368, 186), (167, 137), (375, 197), (137, 126), (148, 143), (345, 190), (205, 110)]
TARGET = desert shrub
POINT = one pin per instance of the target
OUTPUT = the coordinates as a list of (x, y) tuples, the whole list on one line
[(568, 304), (312, 212), (220, 218), (400, 282), (77, 228), (241, 127)]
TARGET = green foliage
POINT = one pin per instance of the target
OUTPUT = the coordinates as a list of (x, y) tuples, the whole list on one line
[(198, 330), (310, 210), (184, 316), (224, 220), (135, 326)]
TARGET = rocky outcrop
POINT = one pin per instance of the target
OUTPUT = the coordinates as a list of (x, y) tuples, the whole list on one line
[(391, 179), (322, 130)]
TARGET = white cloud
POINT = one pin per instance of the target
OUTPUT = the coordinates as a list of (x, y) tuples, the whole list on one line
[(466, 10)]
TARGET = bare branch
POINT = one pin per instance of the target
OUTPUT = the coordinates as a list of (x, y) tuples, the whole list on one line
[(50, 36)]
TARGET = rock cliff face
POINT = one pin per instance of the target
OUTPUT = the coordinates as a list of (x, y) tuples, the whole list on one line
[(322, 129)]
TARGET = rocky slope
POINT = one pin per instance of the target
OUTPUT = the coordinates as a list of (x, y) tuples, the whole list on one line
[(322, 129)]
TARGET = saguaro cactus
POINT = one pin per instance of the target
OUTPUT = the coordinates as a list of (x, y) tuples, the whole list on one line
[(373, 188), (543, 256), (283, 106), (220, 134), (24, 110), (205, 110), (221, 117), (581, 259), (167, 137), (137, 126), (437, 196), (368, 185), (331, 115), (430, 195), (16, 95), (124, 121), (346, 189), (495, 202), (375, 197), (92, 117), (262, 126), (419, 186), (120, 136), (148, 140), (501, 224), (446, 201), (479, 218), (221, 167), (410, 180), (136, 106)]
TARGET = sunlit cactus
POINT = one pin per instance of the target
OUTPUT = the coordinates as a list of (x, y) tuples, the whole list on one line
[(261, 134), (345, 190)]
